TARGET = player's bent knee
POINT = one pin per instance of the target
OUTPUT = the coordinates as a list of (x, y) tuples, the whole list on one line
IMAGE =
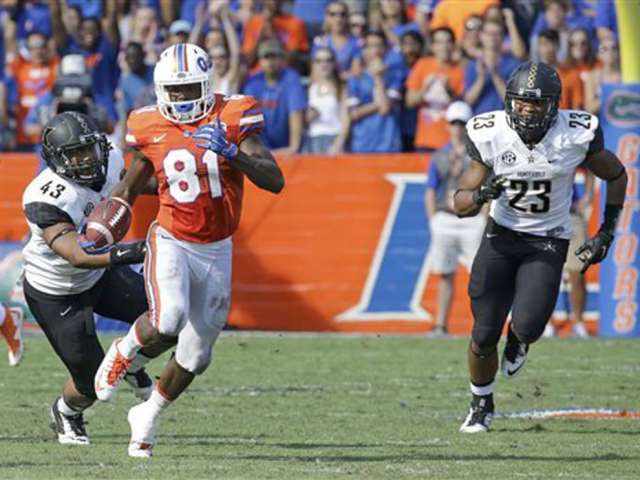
[(484, 340), (527, 331), (86, 388), (172, 319)]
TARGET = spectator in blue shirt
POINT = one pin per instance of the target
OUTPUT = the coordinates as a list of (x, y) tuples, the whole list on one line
[(338, 38), (606, 20), (99, 41), (282, 98), (373, 98), (485, 77), (135, 89), (411, 46)]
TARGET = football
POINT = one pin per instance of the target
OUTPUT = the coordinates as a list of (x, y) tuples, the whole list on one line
[(108, 222)]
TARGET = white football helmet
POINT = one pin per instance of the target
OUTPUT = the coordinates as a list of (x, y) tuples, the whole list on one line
[(183, 64)]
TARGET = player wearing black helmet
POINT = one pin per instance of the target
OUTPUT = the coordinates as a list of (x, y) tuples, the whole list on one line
[(63, 285), (525, 161)]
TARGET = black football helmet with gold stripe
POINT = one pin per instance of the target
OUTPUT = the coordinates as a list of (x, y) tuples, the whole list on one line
[(538, 83)]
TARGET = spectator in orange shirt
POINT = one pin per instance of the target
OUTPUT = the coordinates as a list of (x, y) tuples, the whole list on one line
[(581, 53), (433, 83), (272, 22), (33, 77), (608, 72), (453, 13), (572, 97)]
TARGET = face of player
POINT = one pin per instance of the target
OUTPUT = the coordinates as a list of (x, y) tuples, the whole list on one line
[(530, 109), (84, 161), (184, 93)]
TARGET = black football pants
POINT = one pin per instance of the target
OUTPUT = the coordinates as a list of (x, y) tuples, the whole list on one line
[(68, 323), (518, 272)]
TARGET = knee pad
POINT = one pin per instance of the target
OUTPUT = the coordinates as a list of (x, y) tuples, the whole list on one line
[(527, 330), (485, 339)]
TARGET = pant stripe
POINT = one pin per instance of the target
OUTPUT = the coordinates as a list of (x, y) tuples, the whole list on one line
[(151, 283)]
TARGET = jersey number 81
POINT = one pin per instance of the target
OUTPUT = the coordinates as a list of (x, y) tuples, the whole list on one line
[(181, 167)]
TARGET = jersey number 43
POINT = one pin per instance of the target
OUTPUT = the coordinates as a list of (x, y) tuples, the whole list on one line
[(181, 167)]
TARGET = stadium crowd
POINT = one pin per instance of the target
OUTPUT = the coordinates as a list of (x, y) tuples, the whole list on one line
[(331, 75)]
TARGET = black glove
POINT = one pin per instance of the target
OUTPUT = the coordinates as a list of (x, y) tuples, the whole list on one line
[(126, 254), (491, 190), (595, 249)]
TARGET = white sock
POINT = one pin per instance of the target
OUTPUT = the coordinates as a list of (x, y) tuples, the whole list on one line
[(66, 409), (157, 402), (3, 313), (483, 390), (129, 345)]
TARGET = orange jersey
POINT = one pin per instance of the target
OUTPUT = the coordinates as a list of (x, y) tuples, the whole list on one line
[(32, 82), (200, 191)]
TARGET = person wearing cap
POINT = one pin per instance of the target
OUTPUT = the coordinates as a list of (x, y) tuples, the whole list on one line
[(179, 32), (282, 98), (453, 240)]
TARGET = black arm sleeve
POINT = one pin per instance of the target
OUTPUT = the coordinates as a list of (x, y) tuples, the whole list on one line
[(44, 214), (597, 144), (471, 148)]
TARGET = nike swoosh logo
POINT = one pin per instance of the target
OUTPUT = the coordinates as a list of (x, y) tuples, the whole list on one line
[(513, 372), (62, 314), (491, 235), (159, 138), (120, 253)]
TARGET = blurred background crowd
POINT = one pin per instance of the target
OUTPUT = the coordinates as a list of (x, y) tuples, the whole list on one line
[(331, 76)]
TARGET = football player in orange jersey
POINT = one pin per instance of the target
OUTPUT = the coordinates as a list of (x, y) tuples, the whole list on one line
[(199, 146), (11, 320)]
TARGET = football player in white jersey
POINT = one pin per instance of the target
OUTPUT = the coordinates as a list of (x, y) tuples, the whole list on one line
[(530, 152), (63, 284)]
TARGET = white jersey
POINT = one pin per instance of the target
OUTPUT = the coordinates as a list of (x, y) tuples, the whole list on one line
[(539, 193), (44, 269)]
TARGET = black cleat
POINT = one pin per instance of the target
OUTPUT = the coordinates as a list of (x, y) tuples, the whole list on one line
[(480, 415), (141, 383), (69, 428)]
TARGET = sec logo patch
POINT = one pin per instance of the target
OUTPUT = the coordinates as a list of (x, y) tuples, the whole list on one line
[(508, 158)]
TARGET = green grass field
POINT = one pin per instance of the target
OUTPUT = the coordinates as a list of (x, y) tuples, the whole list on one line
[(298, 407)]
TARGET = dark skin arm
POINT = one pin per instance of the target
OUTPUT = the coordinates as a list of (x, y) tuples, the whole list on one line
[(135, 180), (605, 165), (472, 179), (257, 163), (67, 247)]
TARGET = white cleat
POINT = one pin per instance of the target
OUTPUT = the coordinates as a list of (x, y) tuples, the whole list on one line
[(143, 427), (12, 331), (480, 415), (110, 373)]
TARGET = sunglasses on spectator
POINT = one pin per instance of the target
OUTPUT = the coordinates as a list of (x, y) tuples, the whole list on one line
[(337, 13), (323, 60), (605, 48)]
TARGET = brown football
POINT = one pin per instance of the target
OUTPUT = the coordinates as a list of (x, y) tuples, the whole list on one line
[(108, 222)]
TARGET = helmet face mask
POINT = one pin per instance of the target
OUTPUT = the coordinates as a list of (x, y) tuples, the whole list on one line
[(182, 80), (531, 100), (74, 149)]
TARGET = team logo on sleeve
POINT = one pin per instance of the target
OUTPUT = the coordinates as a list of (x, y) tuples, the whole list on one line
[(508, 158)]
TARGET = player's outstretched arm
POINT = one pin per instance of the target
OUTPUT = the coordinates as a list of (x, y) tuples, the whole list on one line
[(605, 165), (135, 180), (257, 163), (467, 201), (63, 239)]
